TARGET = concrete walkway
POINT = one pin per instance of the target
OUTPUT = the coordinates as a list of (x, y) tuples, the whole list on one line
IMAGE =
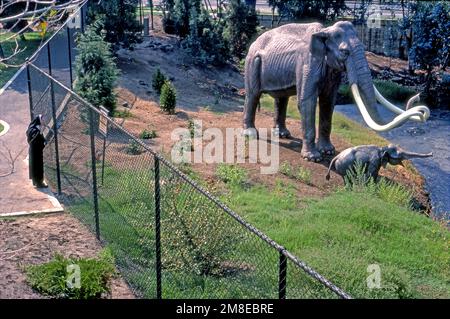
[(17, 194)]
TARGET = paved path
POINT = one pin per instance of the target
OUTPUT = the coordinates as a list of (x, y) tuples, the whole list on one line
[(17, 194)]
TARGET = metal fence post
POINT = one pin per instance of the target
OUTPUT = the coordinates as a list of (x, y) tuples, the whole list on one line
[(69, 47), (282, 276), (30, 95), (55, 122), (158, 229), (94, 172)]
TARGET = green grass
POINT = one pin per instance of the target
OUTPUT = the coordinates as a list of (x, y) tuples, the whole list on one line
[(205, 254), (32, 42), (344, 233), (1, 127), (51, 278), (349, 130)]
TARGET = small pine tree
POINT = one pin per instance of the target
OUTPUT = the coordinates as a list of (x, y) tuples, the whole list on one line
[(158, 80), (168, 99), (95, 68)]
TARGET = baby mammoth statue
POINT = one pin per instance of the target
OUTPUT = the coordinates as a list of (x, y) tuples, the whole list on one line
[(371, 157)]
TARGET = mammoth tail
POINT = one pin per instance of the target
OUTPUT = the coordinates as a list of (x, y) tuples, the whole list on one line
[(253, 74), (327, 177)]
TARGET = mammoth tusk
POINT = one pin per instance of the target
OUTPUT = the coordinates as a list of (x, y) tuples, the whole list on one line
[(412, 100), (424, 111), (397, 121)]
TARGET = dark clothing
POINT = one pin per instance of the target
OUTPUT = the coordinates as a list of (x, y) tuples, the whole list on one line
[(36, 143)]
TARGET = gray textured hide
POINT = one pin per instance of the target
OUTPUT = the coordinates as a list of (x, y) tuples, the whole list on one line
[(372, 157), (306, 60)]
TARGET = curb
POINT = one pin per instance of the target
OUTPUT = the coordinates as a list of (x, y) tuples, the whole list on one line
[(5, 128)]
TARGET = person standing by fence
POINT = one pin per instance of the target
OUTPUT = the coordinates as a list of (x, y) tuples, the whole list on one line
[(36, 142)]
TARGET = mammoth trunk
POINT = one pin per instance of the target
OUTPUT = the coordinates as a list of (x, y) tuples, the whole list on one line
[(359, 73)]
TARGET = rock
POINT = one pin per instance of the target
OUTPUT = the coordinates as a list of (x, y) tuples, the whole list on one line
[(125, 104), (415, 131), (167, 48)]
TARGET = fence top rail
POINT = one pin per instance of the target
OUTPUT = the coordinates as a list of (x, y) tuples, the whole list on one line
[(310, 271)]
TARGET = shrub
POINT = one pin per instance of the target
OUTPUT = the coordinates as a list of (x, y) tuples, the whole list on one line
[(122, 114), (241, 26), (134, 148), (286, 169), (430, 48), (120, 20), (147, 135), (394, 193), (231, 174), (358, 180), (168, 99), (158, 80), (51, 278), (304, 175)]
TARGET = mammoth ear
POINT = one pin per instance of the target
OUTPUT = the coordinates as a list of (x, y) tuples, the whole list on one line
[(318, 42)]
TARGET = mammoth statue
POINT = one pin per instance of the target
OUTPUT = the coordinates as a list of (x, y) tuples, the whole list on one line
[(307, 60), (371, 158)]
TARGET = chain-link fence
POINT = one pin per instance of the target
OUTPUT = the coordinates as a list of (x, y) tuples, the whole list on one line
[(170, 238)]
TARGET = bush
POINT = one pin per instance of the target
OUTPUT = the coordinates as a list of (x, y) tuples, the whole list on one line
[(241, 26), (231, 174), (394, 193), (168, 99), (134, 148), (147, 135), (122, 114), (158, 80), (120, 20), (357, 180), (205, 41), (304, 175), (51, 278)]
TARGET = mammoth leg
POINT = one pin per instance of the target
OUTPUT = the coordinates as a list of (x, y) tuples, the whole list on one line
[(307, 103), (280, 117), (327, 100), (326, 109), (251, 103), (252, 94)]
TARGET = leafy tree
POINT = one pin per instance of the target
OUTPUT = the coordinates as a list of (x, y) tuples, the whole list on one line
[(120, 20), (95, 68), (431, 46), (205, 41), (296, 9), (241, 26)]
